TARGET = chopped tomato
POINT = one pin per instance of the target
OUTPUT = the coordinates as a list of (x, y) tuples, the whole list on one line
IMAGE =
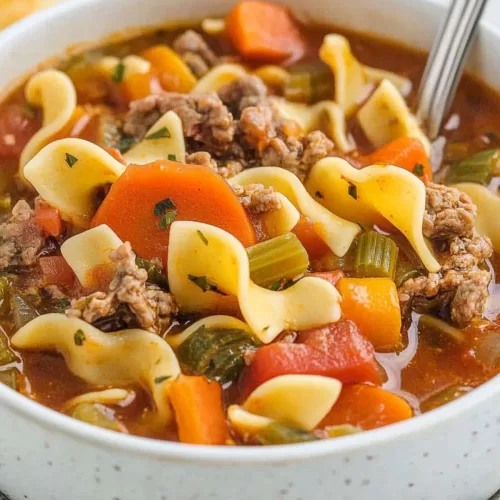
[(56, 271), (49, 220), (332, 277), (337, 350), (17, 126)]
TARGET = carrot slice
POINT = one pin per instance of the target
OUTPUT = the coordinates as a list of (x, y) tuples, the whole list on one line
[(139, 86), (308, 236), (49, 219), (175, 75), (372, 303), (264, 31), (198, 193), (405, 152), (367, 407), (199, 411), (56, 271)]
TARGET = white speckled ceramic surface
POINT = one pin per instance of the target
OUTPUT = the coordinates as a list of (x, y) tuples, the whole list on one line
[(450, 454)]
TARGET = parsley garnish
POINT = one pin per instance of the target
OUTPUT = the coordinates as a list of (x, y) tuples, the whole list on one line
[(159, 380), (125, 144), (418, 169), (202, 237), (163, 206), (318, 194), (79, 337), (353, 191), (167, 219), (118, 72), (206, 284), (265, 328), (172, 157), (159, 134), (275, 286), (70, 160), (167, 210)]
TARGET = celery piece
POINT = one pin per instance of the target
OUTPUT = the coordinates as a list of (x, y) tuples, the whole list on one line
[(309, 83), (278, 258), (438, 332), (9, 378), (376, 256), (5, 202), (217, 353), (478, 168), (23, 311), (4, 295), (99, 415), (277, 433), (336, 431), (6, 354)]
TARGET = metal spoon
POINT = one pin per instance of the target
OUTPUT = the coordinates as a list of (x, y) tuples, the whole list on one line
[(446, 62)]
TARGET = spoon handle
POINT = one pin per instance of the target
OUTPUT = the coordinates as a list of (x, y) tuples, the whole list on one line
[(446, 62)]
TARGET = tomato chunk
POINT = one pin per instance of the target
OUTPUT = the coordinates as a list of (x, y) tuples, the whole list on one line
[(337, 350), (56, 271), (17, 126)]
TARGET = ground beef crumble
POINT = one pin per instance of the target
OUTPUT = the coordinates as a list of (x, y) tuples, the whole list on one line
[(21, 238), (205, 119), (257, 199), (147, 305), (196, 53), (462, 284), (258, 137)]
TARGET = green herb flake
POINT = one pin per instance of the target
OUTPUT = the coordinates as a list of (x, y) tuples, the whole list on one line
[(172, 157), (79, 337), (319, 194), (167, 219), (206, 284), (125, 144), (265, 328), (352, 190), (71, 160), (159, 380), (275, 286), (164, 206), (418, 169), (202, 237), (159, 134), (118, 72)]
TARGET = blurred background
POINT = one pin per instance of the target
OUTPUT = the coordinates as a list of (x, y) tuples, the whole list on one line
[(13, 10)]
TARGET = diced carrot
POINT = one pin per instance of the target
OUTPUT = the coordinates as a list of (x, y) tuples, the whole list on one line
[(199, 195), (337, 350), (49, 219), (264, 31), (372, 303), (139, 86), (308, 236), (405, 152), (332, 277), (175, 75), (199, 411), (17, 126), (56, 271), (367, 407)]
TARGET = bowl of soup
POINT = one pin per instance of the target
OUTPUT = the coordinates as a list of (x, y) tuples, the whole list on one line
[(232, 262)]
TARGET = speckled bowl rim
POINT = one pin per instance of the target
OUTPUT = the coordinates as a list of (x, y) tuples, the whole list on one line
[(227, 455)]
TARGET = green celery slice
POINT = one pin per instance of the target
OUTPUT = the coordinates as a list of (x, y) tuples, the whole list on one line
[(376, 256), (478, 168), (276, 259)]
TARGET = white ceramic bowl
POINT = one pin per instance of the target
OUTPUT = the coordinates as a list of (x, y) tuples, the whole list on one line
[(452, 453)]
